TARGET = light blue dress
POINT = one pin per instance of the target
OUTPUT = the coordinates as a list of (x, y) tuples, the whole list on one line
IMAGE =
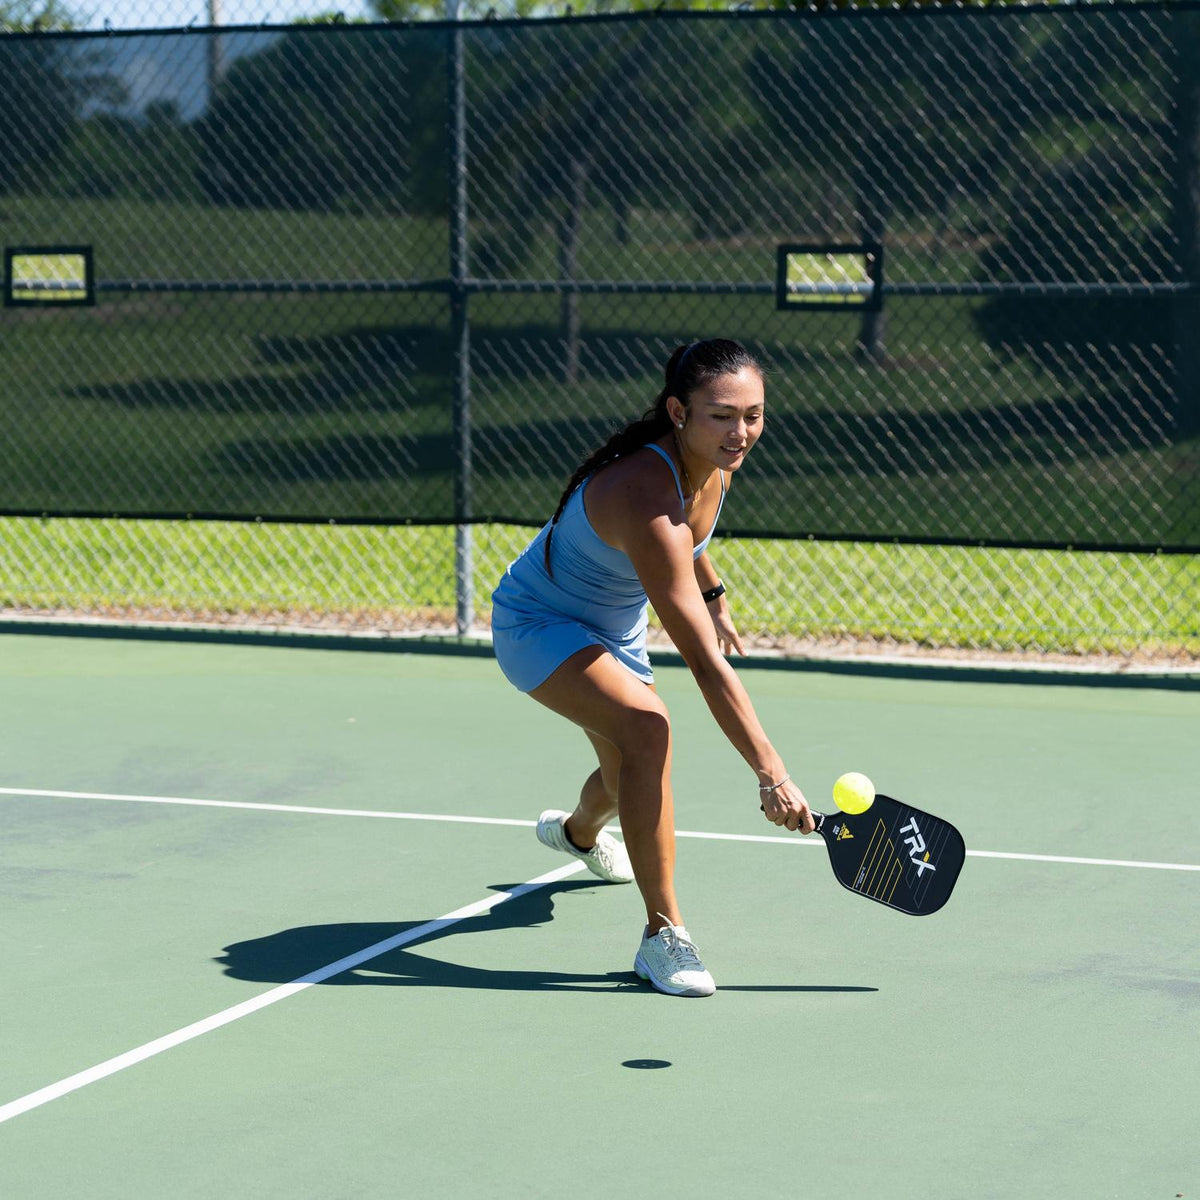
[(594, 598)]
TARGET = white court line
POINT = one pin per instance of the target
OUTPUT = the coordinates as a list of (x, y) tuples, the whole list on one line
[(131, 1057), (284, 808), (683, 833)]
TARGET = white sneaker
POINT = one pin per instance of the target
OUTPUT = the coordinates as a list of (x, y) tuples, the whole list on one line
[(608, 858), (669, 960)]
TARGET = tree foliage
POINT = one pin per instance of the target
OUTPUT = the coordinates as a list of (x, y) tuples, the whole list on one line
[(1094, 212), (599, 124), (34, 16), (44, 85), (149, 158), (348, 123)]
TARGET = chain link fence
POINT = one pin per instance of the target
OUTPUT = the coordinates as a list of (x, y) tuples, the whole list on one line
[(111, 15), (363, 297)]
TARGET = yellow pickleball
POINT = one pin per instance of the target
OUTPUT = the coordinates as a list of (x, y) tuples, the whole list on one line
[(853, 792)]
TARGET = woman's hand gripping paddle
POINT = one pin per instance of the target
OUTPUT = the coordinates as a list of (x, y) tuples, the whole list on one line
[(891, 852)]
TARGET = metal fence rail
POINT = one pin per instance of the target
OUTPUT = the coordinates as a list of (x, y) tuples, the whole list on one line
[(352, 278), (112, 15)]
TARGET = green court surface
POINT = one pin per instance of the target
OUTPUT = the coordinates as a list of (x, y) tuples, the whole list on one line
[(1035, 1038)]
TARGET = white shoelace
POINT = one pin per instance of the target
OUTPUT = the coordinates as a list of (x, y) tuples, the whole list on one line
[(603, 850), (681, 949)]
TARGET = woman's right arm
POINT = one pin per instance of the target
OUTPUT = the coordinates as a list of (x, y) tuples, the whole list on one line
[(661, 552)]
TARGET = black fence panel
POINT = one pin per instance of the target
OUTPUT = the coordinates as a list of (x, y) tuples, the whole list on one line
[(412, 274)]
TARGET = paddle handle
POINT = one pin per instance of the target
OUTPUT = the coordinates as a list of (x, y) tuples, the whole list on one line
[(818, 818)]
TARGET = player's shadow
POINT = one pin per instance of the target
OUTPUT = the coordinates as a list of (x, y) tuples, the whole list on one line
[(294, 954)]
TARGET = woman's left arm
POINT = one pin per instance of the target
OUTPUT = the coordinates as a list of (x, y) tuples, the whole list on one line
[(718, 608)]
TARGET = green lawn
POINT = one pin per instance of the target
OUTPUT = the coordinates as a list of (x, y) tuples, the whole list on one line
[(313, 405), (403, 578), (145, 239)]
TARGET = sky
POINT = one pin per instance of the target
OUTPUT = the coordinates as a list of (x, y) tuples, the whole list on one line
[(175, 69), (170, 14)]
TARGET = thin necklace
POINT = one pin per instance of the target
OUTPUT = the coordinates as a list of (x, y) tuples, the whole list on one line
[(683, 468)]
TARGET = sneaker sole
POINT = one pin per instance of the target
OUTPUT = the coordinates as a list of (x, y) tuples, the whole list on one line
[(643, 972)]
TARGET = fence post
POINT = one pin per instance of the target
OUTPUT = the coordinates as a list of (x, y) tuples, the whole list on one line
[(216, 49), (460, 328)]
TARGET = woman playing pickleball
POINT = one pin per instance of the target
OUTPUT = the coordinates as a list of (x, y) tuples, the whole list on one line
[(569, 626)]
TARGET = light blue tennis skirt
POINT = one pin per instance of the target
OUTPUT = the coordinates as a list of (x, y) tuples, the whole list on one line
[(530, 648)]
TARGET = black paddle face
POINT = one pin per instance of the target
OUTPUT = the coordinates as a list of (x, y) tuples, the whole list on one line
[(898, 855)]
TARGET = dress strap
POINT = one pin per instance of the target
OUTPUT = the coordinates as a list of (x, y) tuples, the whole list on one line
[(675, 470), (720, 505)]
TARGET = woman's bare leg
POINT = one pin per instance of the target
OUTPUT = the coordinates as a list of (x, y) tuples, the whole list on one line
[(598, 797), (595, 692)]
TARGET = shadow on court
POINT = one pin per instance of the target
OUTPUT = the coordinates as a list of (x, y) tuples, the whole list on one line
[(294, 953)]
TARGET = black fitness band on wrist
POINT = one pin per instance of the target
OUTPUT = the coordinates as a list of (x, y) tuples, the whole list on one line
[(713, 593)]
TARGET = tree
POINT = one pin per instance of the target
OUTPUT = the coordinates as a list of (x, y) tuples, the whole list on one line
[(582, 114), (44, 84), (314, 122), (868, 111), (1098, 213), (34, 16), (151, 158)]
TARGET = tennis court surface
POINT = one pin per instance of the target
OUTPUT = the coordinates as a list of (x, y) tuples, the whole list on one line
[(220, 862)]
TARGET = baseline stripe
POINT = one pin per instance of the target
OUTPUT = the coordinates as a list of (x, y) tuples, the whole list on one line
[(281, 808), (775, 839), (227, 1016), (1088, 862)]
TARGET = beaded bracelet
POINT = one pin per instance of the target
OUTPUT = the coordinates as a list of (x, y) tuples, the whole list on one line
[(713, 593), (767, 788)]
